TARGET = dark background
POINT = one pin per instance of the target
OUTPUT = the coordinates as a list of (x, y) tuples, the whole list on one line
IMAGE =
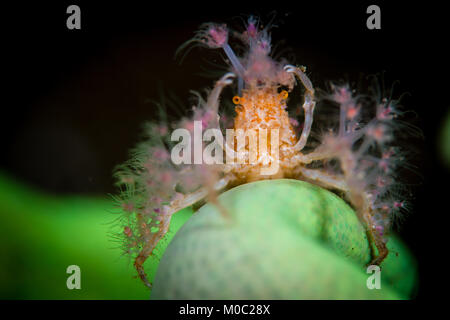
[(74, 101)]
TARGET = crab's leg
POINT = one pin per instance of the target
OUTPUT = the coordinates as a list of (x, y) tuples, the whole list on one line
[(317, 154), (375, 238), (359, 199), (361, 202), (213, 105), (148, 249), (174, 207), (213, 99), (328, 181), (308, 105)]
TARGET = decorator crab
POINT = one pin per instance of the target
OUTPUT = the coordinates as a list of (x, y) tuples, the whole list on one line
[(175, 167)]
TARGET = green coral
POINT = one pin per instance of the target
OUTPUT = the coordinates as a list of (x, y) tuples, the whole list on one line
[(42, 234), (444, 140), (286, 239)]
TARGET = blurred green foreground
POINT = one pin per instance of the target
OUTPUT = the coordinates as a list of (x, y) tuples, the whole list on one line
[(41, 235)]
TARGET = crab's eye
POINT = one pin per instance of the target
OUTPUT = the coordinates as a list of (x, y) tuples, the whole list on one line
[(236, 100), (283, 95)]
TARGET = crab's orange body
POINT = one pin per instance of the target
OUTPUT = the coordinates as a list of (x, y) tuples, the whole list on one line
[(265, 109)]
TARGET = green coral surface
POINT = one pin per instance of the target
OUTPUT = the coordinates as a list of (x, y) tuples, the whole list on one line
[(285, 239)]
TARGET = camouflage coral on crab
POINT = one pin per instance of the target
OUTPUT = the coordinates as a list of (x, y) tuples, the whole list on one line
[(154, 188)]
